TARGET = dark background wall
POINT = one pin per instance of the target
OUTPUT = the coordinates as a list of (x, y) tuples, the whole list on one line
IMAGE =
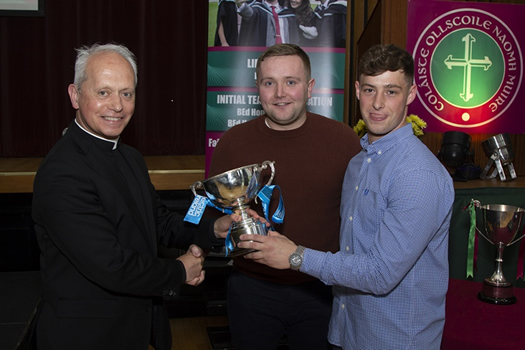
[(37, 57)]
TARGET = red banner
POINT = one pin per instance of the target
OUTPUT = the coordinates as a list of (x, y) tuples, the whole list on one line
[(468, 65)]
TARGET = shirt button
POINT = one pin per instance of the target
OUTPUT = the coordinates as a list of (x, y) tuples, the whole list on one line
[(347, 248), (351, 218), (356, 188), (343, 306), (368, 160), (379, 152)]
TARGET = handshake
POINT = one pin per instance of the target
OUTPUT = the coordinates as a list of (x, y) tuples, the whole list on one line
[(193, 261)]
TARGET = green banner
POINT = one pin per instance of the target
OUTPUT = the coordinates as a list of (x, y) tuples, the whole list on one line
[(227, 108), (237, 68)]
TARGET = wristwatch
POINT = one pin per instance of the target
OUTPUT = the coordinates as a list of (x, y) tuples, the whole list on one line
[(296, 259)]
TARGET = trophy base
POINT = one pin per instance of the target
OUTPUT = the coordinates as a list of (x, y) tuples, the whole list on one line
[(249, 226), (240, 252), (497, 295)]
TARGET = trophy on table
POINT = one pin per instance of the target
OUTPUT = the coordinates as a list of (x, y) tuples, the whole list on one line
[(232, 191), (501, 224)]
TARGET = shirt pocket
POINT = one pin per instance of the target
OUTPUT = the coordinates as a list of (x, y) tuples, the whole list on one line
[(370, 210)]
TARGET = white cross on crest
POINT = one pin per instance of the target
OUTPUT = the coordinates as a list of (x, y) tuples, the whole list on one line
[(467, 63)]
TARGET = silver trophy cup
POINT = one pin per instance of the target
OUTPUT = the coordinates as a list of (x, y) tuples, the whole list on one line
[(233, 190), (501, 224)]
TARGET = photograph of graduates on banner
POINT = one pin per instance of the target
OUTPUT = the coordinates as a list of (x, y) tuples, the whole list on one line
[(265, 23)]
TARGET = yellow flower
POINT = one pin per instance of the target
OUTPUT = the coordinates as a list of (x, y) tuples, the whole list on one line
[(360, 128), (418, 125)]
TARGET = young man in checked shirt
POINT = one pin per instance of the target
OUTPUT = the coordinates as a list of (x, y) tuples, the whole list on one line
[(390, 276)]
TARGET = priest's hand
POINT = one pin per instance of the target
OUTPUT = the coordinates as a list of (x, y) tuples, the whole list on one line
[(193, 261)]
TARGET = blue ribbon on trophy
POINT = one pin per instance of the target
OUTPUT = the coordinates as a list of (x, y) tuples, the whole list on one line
[(231, 192), (265, 194), (197, 207)]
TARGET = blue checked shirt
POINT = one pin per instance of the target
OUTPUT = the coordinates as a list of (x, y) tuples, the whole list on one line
[(390, 277)]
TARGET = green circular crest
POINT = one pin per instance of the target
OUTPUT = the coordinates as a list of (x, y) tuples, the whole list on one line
[(467, 68)]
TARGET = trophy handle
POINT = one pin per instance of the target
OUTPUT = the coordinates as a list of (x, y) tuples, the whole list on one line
[(477, 205), (264, 165), (482, 235), (197, 184), (516, 240)]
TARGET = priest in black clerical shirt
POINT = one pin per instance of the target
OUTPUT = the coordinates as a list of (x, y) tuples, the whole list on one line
[(99, 221)]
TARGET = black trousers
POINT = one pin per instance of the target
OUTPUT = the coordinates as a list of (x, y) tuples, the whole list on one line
[(261, 312)]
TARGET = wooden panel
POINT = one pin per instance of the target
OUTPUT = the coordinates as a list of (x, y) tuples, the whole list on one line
[(358, 18), (369, 37), (362, 11), (166, 172), (191, 333), (394, 18), (17, 183), (176, 180)]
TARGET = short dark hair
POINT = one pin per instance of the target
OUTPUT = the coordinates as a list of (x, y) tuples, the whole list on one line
[(381, 58), (285, 50)]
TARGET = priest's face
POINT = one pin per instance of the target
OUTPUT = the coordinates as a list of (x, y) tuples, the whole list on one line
[(105, 101)]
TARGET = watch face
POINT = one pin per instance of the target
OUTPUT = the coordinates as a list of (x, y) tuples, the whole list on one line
[(296, 260)]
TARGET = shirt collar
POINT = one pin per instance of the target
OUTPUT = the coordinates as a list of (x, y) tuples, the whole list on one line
[(388, 141), (277, 6), (114, 142)]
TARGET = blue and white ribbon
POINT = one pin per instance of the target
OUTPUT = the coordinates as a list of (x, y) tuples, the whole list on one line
[(265, 194), (194, 214)]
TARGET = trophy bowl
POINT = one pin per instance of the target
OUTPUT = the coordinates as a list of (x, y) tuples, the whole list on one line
[(233, 190), (501, 224)]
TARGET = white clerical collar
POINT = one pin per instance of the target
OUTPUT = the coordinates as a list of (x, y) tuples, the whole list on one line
[(115, 142)]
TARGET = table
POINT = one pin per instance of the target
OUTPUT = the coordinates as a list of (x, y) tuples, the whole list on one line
[(473, 324)]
